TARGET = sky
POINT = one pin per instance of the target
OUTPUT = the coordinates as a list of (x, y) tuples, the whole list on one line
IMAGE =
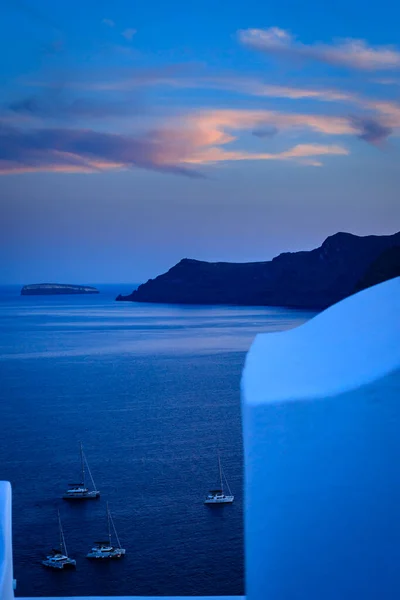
[(135, 134)]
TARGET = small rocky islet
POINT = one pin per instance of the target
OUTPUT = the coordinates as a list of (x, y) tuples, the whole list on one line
[(56, 289)]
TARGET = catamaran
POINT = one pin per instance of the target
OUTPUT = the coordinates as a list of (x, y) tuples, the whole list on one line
[(218, 496), (59, 559), (104, 550), (79, 491)]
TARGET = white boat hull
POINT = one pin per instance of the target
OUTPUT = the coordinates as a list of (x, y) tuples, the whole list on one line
[(81, 495), (68, 563), (220, 500), (112, 555)]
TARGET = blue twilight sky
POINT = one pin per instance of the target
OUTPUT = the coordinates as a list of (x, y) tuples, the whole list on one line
[(133, 134)]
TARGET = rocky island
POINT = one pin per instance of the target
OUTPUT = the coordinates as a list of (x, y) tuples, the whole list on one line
[(312, 279), (55, 289)]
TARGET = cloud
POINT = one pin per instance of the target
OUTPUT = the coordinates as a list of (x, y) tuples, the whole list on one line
[(389, 111), (371, 130), (128, 34), (192, 139), (181, 77), (349, 53), (299, 153), (185, 77), (293, 93), (386, 81), (218, 122), (264, 132), (56, 106), (82, 150), (256, 87), (108, 22)]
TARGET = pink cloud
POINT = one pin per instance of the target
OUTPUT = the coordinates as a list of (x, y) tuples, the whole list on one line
[(181, 77), (216, 122), (193, 139), (350, 53), (196, 138), (389, 110), (298, 153)]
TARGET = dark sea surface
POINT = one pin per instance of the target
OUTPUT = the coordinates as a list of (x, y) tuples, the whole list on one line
[(152, 391)]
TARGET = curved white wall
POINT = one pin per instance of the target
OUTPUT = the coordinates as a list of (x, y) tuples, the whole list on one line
[(6, 564), (321, 412)]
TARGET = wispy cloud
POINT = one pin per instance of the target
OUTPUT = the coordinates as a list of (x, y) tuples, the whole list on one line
[(365, 126), (387, 81), (128, 34), (184, 76), (193, 139), (302, 153), (83, 150), (108, 22), (181, 141), (196, 137), (349, 52), (187, 77), (218, 122), (57, 106)]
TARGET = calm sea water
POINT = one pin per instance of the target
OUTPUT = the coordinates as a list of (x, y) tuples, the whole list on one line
[(152, 391)]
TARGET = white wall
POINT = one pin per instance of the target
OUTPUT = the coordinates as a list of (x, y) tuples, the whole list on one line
[(321, 408), (6, 564)]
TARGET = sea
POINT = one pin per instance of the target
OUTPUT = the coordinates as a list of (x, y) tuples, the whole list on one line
[(153, 393)]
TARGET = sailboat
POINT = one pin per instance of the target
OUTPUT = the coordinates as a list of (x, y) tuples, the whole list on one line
[(59, 559), (79, 491), (104, 550), (218, 496)]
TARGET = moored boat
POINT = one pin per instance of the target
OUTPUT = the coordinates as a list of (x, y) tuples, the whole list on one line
[(80, 491), (59, 559), (106, 550), (218, 496)]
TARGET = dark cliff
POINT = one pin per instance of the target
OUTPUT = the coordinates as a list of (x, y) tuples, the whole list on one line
[(385, 267), (309, 279)]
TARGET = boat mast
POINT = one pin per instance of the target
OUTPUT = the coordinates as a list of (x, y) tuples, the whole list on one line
[(220, 473), (82, 465), (115, 531), (108, 524), (227, 484), (63, 547), (90, 473)]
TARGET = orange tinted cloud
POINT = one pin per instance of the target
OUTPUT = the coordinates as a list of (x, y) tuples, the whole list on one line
[(193, 139), (213, 123)]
